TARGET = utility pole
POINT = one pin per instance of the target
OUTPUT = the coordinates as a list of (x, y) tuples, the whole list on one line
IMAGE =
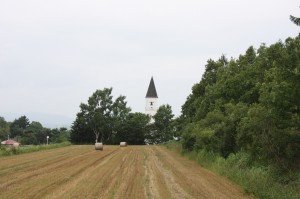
[(47, 139)]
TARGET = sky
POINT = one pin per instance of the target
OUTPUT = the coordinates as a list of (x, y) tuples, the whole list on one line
[(55, 54)]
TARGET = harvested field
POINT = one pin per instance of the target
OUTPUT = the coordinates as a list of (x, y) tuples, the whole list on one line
[(116, 172)]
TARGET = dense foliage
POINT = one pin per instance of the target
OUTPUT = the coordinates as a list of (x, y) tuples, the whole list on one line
[(134, 129), (26, 132), (249, 104), (162, 128), (4, 128), (100, 119)]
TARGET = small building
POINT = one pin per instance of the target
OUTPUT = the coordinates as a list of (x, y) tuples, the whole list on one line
[(10, 142)]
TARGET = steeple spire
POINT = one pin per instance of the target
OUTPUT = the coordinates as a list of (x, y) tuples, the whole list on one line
[(151, 93)]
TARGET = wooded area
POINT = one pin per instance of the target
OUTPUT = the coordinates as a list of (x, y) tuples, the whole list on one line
[(248, 104)]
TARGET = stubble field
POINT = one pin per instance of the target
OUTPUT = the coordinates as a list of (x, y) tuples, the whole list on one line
[(116, 172)]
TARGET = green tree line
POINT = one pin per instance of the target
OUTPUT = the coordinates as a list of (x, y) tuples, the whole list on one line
[(249, 104), (26, 132)]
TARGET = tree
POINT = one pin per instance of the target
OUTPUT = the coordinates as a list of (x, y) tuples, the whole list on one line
[(4, 129), (33, 134), (97, 113), (120, 114), (64, 135), (101, 116), (196, 106), (163, 130), (58, 135), (18, 126), (134, 129), (81, 132), (295, 20)]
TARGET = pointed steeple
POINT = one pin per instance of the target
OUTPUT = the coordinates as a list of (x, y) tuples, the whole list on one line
[(151, 93)]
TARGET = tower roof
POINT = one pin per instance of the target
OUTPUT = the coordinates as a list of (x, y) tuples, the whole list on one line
[(151, 90)]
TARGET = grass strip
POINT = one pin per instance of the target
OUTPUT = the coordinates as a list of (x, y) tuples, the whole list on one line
[(10, 150), (256, 179)]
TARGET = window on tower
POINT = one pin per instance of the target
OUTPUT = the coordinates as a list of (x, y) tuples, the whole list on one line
[(151, 103)]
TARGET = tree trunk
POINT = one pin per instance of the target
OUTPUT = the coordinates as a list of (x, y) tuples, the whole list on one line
[(96, 135)]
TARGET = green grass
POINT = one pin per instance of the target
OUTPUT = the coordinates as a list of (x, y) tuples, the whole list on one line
[(258, 180), (9, 150)]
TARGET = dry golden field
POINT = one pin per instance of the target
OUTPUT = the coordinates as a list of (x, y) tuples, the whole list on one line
[(128, 172)]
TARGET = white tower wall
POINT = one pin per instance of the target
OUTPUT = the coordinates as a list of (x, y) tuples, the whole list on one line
[(151, 106)]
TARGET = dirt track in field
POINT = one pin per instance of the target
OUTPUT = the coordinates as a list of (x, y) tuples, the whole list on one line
[(128, 172)]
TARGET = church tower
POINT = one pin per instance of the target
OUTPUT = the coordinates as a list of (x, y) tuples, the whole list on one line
[(151, 100)]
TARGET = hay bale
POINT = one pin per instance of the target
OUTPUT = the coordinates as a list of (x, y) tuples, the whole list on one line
[(123, 144), (99, 146)]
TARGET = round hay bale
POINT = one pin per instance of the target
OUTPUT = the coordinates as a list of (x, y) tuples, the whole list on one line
[(123, 144), (99, 146)]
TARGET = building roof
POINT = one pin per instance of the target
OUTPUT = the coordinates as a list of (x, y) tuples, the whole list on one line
[(9, 142), (151, 90)]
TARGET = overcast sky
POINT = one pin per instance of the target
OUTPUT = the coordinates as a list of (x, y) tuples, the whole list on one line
[(55, 54)]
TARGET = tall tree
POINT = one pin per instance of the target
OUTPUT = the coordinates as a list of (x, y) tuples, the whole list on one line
[(102, 116), (163, 130), (120, 113), (33, 134), (81, 132), (97, 113), (4, 129), (19, 125)]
